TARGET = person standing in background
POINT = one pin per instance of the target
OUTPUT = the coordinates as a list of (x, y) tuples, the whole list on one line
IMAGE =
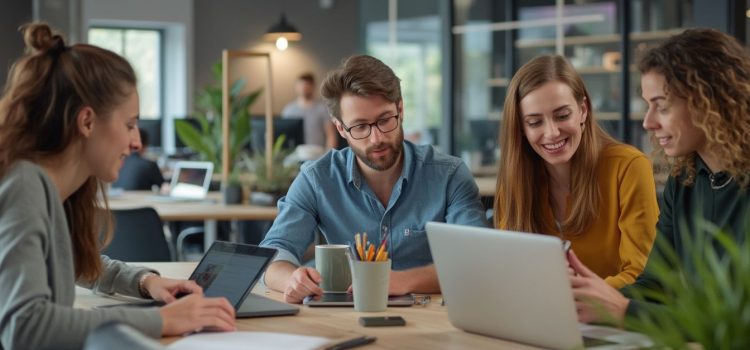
[(319, 129)]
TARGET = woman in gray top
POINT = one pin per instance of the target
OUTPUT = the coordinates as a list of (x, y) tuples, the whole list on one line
[(68, 119)]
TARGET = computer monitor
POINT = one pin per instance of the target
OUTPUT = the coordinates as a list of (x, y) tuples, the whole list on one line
[(292, 128), (152, 127), (485, 135)]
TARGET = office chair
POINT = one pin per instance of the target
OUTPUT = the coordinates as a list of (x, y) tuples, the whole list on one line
[(181, 240), (118, 336), (139, 236)]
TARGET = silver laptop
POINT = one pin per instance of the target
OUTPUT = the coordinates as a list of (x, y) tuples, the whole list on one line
[(190, 181), (514, 286)]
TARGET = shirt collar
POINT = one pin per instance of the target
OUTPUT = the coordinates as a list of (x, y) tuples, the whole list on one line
[(701, 166), (356, 178), (351, 163), (408, 169)]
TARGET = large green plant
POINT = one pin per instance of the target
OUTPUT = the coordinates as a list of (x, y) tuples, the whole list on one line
[(207, 138), (706, 294)]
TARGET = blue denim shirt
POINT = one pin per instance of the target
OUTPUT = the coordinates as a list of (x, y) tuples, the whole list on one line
[(331, 195)]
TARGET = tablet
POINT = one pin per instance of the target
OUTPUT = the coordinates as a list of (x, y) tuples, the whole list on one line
[(347, 300)]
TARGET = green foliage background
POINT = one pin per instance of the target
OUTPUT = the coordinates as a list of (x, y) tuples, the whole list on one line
[(207, 139)]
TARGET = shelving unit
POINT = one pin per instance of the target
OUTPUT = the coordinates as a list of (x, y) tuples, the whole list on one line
[(616, 116), (498, 82), (486, 61), (595, 39), (598, 70)]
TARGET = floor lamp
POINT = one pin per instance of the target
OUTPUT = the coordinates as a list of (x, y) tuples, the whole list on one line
[(227, 55)]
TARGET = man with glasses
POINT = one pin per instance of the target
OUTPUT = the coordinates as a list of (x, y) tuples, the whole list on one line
[(380, 184)]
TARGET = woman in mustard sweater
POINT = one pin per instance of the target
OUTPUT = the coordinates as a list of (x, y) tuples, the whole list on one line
[(561, 174)]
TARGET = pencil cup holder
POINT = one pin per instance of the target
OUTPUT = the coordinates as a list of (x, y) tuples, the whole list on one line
[(370, 283)]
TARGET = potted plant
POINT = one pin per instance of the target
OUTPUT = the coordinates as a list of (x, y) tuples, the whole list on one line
[(267, 190), (206, 140), (232, 190), (705, 295)]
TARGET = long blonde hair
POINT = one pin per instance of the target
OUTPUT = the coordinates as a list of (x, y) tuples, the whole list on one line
[(711, 71), (522, 178), (46, 89)]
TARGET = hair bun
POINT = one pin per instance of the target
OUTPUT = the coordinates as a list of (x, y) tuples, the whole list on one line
[(39, 38)]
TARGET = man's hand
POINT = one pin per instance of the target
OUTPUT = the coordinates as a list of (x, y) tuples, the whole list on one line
[(304, 281), (596, 301), (400, 283), (415, 280)]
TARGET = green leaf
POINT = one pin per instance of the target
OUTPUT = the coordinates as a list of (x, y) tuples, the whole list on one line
[(237, 87), (207, 140), (706, 294), (193, 139)]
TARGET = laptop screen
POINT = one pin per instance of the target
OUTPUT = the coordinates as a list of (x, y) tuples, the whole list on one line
[(230, 270), (191, 179)]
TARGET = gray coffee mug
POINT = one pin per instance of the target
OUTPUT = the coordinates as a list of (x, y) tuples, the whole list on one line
[(333, 265)]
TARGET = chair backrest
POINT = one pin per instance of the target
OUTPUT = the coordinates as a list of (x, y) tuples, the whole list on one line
[(139, 236)]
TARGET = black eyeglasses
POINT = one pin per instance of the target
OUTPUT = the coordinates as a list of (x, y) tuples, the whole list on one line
[(363, 131)]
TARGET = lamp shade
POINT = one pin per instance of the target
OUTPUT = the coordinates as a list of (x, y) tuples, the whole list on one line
[(284, 29)]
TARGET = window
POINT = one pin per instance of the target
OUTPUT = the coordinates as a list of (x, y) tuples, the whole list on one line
[(143, 49), (406, 35)]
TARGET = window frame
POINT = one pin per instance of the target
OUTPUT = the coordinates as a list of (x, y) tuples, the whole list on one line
[(160, 61)]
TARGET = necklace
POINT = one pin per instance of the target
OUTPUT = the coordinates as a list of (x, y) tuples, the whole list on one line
[(719, 180)]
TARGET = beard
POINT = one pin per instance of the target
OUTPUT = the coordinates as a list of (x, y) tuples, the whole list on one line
[(383, 162)]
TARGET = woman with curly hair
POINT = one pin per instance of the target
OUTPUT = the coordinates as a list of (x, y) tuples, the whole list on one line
[(68, 119), (697, 86), (561, 174)]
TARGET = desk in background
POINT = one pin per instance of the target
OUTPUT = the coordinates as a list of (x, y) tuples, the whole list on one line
[(209, 211), (486, 185), (427, 327)]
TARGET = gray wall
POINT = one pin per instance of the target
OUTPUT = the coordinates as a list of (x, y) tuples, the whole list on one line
[(13, 14), (328, 35)]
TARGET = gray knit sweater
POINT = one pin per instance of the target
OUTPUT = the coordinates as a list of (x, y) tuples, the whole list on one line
[(37, 275)]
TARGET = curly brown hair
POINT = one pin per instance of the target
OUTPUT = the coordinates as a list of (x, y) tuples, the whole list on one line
[(710, 70)]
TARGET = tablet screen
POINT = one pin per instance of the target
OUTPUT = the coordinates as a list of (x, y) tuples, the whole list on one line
[(230, 270)]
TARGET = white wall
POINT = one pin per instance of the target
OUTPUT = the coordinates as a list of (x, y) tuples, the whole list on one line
[(175, 18)]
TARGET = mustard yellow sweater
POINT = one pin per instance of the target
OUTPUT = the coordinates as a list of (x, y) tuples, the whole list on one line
[(616, 245)]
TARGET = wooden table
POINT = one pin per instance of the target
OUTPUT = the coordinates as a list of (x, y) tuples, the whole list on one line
[(209, 211), (427, 327)]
